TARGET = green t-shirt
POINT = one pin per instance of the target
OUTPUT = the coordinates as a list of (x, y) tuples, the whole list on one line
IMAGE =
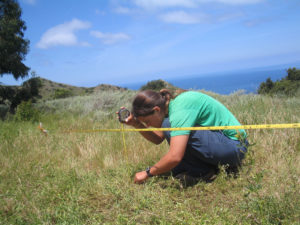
[(192, 108)]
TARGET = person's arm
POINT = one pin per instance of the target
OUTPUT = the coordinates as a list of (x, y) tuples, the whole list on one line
[(168, 161), (155, 137)]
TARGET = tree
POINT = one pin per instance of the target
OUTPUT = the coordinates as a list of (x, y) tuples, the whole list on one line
[(287, 86), (293, 74), (33, 84), (13, 46), (265, 87), (155, 85), (12, 96)]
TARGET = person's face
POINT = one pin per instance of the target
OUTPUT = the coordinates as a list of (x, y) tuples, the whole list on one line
[(153, 120)]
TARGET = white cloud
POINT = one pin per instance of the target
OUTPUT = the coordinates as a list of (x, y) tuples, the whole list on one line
[(109, 38), (123, 10), (182, 17), (152, 4), (232, 2), (99, 12), (229, 17), (63, 34), (30, 2), (85, 44)]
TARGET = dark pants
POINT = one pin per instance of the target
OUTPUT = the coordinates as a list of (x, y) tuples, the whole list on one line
[(206, 150)]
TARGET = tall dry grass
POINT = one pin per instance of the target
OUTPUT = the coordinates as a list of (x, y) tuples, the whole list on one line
[(87, 178)]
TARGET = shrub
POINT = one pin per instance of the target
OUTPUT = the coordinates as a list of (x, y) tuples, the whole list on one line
[(62, 93), (3, 111), (265, 87), (155, 85), (293, 74), (33, 85), (97, 105), (16, 94), (289, 85), (26, 112)]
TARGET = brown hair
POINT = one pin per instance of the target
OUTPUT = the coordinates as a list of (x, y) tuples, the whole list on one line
[(145, 101)]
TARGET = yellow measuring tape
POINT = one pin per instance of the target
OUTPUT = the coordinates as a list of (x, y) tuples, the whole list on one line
[(124, 142), (245, 127)]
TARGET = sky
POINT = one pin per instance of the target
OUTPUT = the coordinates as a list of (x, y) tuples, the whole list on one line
[(118, 42)]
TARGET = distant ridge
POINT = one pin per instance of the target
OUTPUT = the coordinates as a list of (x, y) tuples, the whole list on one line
[(106, 87), (48, 88)]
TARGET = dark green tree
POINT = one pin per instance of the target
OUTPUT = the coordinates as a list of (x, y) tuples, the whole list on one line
[(265, 87), (12, 96), (293, 74), (269, 84), (33, 85), (155, 85), (13, 46), (287, 86)]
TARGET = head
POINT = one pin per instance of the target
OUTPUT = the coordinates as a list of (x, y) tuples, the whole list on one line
[(151, 107)]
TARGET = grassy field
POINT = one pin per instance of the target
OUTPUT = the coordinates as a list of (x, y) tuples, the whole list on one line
[(87, 178)]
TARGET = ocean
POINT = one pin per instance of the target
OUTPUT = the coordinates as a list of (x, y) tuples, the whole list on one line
[(224, 83)]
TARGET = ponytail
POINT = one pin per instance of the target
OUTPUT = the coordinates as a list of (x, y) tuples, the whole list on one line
[(165, 93)]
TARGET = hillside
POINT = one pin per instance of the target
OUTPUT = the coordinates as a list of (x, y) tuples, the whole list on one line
[(39, 89), (48, 87)]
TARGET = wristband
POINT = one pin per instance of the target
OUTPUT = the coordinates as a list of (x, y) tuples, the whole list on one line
[(148, 172)]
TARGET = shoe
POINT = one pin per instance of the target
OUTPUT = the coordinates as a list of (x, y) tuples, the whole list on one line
[(189, 180)]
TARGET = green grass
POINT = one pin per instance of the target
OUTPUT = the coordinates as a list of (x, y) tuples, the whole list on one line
[(87, 178)]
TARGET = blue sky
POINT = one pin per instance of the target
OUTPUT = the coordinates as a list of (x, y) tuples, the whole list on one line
[(86, 43)]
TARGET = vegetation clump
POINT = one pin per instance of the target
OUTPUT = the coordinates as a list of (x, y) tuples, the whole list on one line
[(289, 85), (157, 85), (12, 96), (62, 93), (26, 112)]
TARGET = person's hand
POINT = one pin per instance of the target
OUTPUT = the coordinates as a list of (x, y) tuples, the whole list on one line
[(140, 177), (131, 120)]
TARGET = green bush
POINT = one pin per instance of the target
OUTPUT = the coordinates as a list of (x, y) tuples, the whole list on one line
[(3, 111), (155, 85), (62, 93), (288, 86), (97, 106), (16, 94), (33, 85), (293, 74), (26, 112)]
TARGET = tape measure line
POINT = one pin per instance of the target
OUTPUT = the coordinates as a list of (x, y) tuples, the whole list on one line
[(123, 137), (245, 127)]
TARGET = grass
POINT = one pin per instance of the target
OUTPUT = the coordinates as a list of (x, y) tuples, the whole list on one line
[(87, 178)]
